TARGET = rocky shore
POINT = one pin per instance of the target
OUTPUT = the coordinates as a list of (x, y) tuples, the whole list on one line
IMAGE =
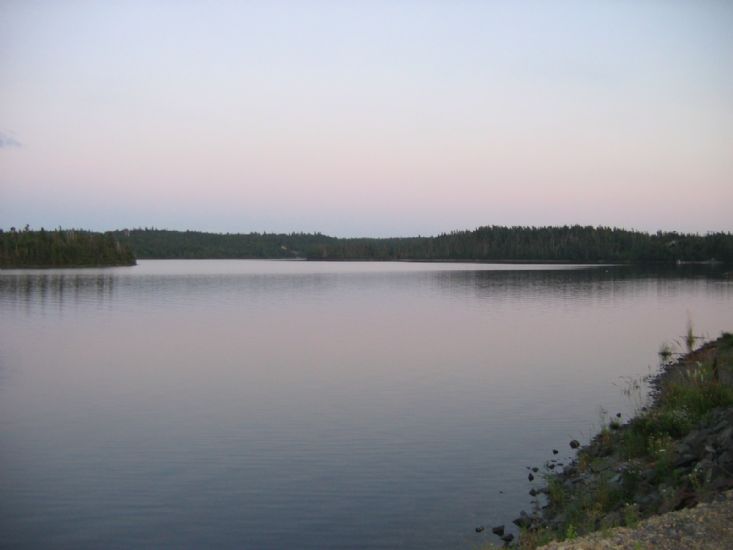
[(672, 455)]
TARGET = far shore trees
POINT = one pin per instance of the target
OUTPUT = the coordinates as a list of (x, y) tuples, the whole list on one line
[(61, 248)]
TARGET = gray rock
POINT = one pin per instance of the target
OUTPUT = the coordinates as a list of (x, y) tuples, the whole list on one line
[(648, 501), (694, 439), (720, 426), (612, 519), (684, 460), (523, 521), (725, 438), (574, 444), (726, 460)]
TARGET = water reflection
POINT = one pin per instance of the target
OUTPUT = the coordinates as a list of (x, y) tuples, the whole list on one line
[(310, 405), (99, 287)]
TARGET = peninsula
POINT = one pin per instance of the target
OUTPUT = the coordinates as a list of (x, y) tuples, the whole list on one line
[(61, 248)]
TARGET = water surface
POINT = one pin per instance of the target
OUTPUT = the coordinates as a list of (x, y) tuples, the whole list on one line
[(275, 404)]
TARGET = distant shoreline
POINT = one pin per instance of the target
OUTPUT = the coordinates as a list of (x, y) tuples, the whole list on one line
[(583, 245), (574, 245)]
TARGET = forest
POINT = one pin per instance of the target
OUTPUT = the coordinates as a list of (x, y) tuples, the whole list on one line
[(490, 243), (61, 248)]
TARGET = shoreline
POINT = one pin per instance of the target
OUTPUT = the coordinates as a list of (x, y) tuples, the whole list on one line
[(671, 455)]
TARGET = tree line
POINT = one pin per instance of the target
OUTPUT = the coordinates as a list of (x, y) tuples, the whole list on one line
[(61, 248), (490, 243)]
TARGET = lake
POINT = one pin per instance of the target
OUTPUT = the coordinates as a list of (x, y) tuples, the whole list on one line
[(309, 405)]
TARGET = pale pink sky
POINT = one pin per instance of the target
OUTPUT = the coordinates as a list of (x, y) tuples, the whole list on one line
[(366, 118)]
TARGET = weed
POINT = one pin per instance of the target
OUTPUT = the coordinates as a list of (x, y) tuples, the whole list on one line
[(556, 492), (690, 336), (631, 515)]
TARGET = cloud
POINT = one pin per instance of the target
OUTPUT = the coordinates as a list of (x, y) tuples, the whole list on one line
[(7, 140)]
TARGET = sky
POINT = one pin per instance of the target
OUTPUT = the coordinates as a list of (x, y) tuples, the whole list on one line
[(366, 118)]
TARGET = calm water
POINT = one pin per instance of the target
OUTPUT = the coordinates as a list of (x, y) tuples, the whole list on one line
[(262, 404)]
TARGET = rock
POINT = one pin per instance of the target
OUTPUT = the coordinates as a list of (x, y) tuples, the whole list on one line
[(683, 499), (694, 439), (555, 451), (574, 444), (649, 501), (530, 477), (684, 460), (722, 425), (533, 492), (557, 522), (683, 448), (721, 484), (535, 469), (725, 438), (498, 530), (508, 538), (479, 529), (650, 476), (612, 519), (726, 460), (523, 521)]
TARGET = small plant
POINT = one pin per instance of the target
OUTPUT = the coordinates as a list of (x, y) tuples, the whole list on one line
[(697, 477), (584, 462), (631, 515), (689, 338), (634, 441), (675, 422), (571, 533), (665, 353)]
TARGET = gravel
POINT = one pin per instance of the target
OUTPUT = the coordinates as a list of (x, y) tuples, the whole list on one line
[(706, 526)]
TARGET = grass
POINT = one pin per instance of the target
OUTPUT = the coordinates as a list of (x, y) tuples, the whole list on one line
[(685, 400)]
